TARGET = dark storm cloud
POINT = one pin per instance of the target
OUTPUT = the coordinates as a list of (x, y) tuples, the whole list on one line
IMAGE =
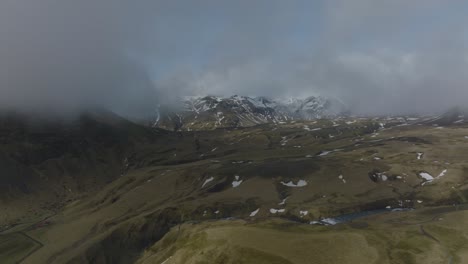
[(377, 56)]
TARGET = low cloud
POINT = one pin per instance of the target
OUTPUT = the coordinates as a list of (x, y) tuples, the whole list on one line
[(377, 56)]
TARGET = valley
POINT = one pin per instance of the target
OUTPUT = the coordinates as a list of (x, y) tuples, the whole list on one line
[(341, 190)]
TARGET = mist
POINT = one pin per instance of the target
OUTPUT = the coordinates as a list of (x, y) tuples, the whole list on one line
[(384, 57)]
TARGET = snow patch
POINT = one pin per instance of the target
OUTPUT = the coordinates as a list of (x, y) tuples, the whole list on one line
[(207, 181), (442, 174), (284, 201), (252, 214), (342, 178), (274, 211), (284, 141), (420, 154), (300, 183), (329, 221), (379, 176), (303, 213), (426, 176), (237, 182), (324, 153)]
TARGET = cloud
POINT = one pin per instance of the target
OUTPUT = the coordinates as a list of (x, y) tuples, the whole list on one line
[(385, 57), (377, 56), (69, 56)]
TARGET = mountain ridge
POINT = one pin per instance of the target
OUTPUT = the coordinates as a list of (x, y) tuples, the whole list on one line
[(211, 112)]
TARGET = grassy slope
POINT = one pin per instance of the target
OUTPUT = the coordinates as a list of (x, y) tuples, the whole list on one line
[(163, 187), (276, 241)]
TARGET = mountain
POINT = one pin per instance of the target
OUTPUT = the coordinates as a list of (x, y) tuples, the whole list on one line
[(46, 163), (211, 112), (313, 107)]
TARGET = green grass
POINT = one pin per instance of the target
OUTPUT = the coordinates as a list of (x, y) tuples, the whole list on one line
[(14, 247), (168, 172)]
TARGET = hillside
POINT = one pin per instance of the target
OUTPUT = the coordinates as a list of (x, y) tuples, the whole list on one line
[(273, 193)]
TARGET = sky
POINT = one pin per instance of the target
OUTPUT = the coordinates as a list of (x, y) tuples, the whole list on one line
[(378, 57)]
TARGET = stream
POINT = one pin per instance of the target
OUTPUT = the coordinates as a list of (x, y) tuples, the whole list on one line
[(353, 216)]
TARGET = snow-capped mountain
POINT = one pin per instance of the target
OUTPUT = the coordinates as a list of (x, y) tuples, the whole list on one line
[(313, 107), (210, 112)]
